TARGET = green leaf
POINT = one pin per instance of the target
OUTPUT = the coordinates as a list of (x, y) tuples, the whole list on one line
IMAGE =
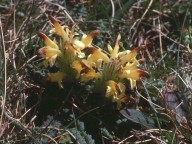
[(171, 137), (138, 117), (106, 133)]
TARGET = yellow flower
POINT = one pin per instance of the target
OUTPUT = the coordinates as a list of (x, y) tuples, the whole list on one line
[(133, 75), (114, 52), (72, 44), (116, 92), (107, 70), (50, 51), (87, 40), (78, 44), (96, 55), (78, 66), (56, 77), (70, 50), (68, 36), (50, 55), (120, 65), (84, 70), (89, 75), (59, 29), (129, 56), (128, 63), (48, 41)]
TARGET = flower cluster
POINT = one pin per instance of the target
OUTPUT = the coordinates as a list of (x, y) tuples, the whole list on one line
[(77, 58)]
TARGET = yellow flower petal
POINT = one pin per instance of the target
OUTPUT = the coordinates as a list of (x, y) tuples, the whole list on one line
[(91, 74), (114, 53), (110, 49), (59, 29), (96, 54), (123, 53), (50, 55), (133, 75), (85, 70), (77, 65), (116, 92), (131, 66), (89, 38), (112, 89), (129, 56), (78, 44), (49, 52), (73, 33), (51, 61), (53, 31), (48, 41), (70, 50), (56, 77)]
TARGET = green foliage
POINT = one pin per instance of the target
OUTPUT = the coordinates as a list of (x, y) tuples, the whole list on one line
[(80, 11), (138, 117), (4, 1), (106, 133), (50, 126), (81, 135), (171, 137)]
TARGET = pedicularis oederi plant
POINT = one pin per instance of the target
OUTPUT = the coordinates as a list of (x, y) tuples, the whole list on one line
[(78, 59)]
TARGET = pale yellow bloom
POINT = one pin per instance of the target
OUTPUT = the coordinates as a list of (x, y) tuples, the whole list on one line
[(129, 64), (114, 52), (87, 40), (130, 56), (89, 75), (50, 51), (85, 71), (116, 92), (106, 70), (78, 44), (78, 66), (70, 50), (48, 42), (59, 29), (96, 54), (49, 54), (68, 36), (133, 75), (124, 56)]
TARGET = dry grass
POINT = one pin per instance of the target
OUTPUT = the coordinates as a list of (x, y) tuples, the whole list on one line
[(165, 96)]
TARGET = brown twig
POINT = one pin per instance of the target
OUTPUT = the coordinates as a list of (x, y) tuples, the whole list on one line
[(5, 73)]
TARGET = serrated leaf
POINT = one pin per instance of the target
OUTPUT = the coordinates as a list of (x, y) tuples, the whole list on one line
[(106, 133)]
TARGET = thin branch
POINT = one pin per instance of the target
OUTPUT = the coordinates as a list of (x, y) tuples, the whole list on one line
[(18, 124), (113, 11), (137, 23), (5, 72), (160, 41)]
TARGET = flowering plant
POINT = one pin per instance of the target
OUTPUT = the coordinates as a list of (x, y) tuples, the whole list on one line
[(78, 59)]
